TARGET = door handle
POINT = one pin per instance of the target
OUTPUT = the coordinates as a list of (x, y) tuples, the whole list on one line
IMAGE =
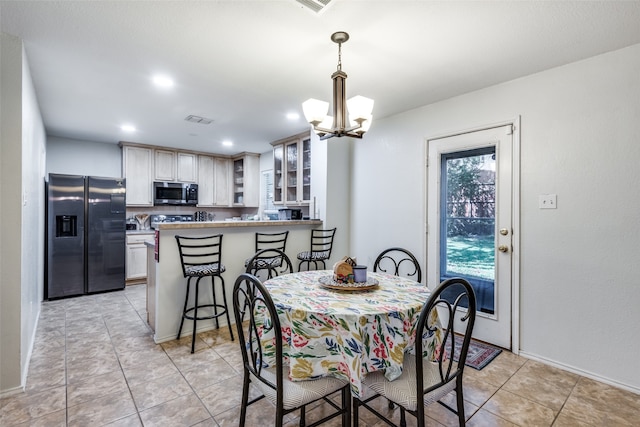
[(503, 248)]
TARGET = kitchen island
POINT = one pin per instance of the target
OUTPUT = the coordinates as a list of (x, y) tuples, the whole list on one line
[(166, 285)]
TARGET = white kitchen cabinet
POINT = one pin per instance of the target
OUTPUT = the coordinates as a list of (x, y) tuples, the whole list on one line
[(206, 190), (246, 180), (221, 182), (136, 259), (292, 170), (137, 169), (187, 165), (164, 165)]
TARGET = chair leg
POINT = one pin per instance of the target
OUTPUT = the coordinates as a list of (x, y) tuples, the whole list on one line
[(346, 404), (195, 316), (356, 405), (460, 402), (184, 310), (215, 301), (303, 417), (403, 418), (226, 308), (245, 398)]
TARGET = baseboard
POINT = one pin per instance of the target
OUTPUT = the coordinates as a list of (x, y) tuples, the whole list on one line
[(187, 333), (581, 372)]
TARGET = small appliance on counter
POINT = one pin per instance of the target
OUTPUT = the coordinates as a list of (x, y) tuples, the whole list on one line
[(131, 224), (288, 214)]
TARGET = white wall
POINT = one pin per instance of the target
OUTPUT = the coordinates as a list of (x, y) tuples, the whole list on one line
[(580, 139), (10, 211), (33, 212), (75, 157), (21, 214)]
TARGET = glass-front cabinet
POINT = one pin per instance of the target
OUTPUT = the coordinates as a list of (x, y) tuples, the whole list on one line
[(238, 181), (278, 168), (245, 180), (292, 170)]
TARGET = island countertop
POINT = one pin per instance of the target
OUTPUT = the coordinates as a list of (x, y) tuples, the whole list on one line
[(166, 284), (227, 224)]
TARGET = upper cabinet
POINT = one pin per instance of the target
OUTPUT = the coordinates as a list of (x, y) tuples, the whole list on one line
[(175, 166), (205, 180), (246, 180), (222, 181), (137, 169), (187, 167), (292, 170), (165, 165)]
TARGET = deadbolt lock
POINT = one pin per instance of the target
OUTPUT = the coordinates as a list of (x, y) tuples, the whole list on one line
[(504, 231)]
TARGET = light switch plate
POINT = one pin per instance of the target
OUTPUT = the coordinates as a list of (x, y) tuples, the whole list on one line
[(547, 201)]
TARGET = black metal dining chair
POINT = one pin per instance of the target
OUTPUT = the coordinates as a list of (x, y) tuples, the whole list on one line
[(320, 249), (424, 381), (202, 257), (250, 297), (399, 262)]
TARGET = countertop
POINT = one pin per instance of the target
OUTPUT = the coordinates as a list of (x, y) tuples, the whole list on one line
[(226, 224), (140, 232)]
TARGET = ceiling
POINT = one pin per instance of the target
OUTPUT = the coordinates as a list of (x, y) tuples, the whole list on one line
[(246, 64)]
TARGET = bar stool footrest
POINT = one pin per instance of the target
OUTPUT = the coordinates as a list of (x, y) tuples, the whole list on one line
[(214, 316)]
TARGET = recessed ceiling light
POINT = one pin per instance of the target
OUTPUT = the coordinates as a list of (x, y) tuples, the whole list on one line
[(162, 81), (128, 128), (293, 116), (227, 143)]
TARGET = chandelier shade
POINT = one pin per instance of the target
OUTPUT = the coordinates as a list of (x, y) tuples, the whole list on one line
[(350, 118)]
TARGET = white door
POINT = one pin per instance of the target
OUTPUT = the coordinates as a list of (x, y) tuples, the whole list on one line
[(469, 222)]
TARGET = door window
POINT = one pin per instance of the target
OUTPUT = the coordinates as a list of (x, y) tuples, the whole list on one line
[(468, 189)]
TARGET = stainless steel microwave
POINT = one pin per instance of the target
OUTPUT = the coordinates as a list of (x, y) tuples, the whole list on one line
[(175, 193)]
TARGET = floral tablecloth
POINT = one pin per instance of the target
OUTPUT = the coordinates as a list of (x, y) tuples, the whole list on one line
[(346, 334)]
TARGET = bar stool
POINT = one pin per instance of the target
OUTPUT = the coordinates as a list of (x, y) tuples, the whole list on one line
[(264, 241), (201, 257), (321, 245)]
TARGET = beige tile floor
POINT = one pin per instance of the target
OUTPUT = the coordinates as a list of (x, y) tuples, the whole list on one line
[(95, 363)]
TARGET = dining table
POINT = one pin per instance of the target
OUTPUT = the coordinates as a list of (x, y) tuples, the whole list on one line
[(347, 331)]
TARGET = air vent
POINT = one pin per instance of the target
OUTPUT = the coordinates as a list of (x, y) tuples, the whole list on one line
[(315, 5), (198, 119)]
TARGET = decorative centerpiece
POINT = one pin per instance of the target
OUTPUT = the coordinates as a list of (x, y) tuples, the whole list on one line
[(343, 270)]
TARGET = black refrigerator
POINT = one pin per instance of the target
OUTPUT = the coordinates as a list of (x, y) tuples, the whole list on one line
[(86, 232)]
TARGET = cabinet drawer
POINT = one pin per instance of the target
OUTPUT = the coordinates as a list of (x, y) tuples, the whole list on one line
[(139, 238)]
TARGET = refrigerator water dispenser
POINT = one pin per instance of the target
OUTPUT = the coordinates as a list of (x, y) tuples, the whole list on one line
[(66, 225)]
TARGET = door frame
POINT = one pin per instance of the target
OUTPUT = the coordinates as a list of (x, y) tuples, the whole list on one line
[(515, 211)]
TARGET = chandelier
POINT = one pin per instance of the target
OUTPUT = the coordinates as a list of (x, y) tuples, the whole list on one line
[(359, 108)]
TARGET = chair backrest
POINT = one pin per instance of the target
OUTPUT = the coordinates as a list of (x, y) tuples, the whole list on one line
[(271, 241), (251, 298), (322, 241), (274, 261), (460, 297), (399, 262), (196, 251)]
